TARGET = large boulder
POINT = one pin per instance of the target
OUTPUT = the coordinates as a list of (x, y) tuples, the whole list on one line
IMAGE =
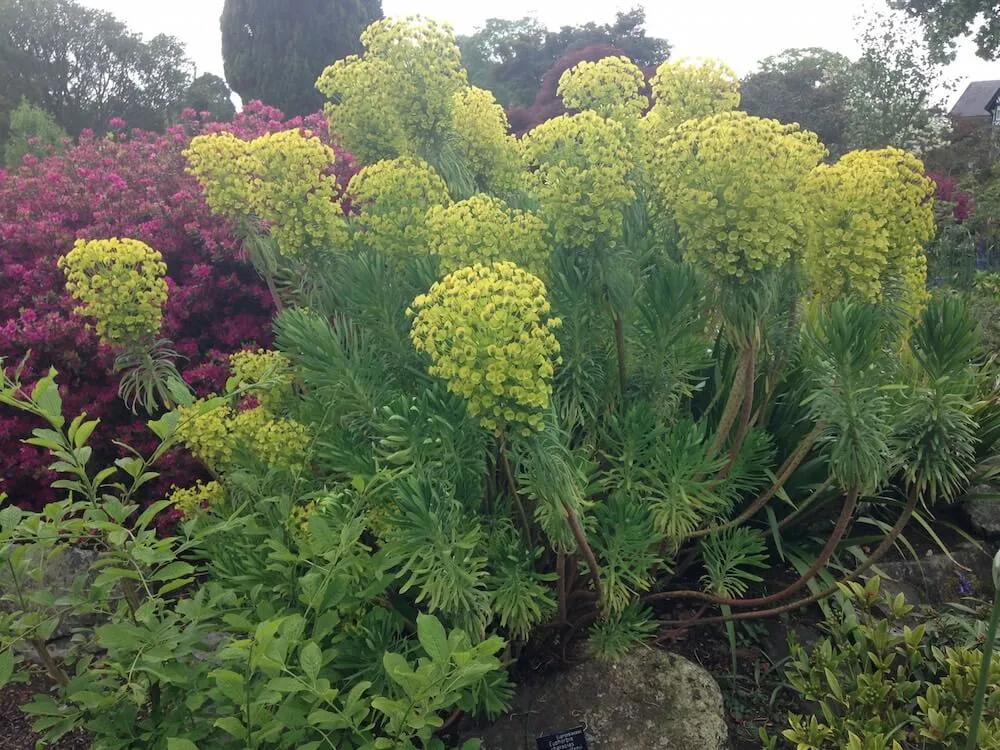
[(649, 700)]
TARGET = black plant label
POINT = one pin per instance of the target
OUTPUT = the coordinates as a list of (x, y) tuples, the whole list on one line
[(569, 739)]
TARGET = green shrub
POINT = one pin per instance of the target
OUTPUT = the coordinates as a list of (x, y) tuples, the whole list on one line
[(33, 131), (877, 683)]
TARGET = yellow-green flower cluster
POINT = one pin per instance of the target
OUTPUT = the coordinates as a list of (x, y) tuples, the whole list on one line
[(393, 197), (221, 163), (191, 500), (870, 214), (580, 165), (487, 331), (483, 229), (120, 284), (686, 89), (280, 178), (490, 152), (612, 87), (292, 189), (398, 95), (250, 368), (208, 435), (732, 184), (272, 440), (300, 515), (214, 436)]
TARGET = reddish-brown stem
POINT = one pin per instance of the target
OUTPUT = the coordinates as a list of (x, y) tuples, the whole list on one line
[(620, 350), (873, 558), (818, 564), (744, 425), (561, 585), (806, 504), (784, 473), (584, 545)]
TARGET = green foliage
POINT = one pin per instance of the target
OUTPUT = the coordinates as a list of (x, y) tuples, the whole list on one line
[(893, 86), (248, 654), (62, 54), (946, 22), (274, 53), (878, 683), (31, 131), (808, 86), (209, 93), (415, 448)]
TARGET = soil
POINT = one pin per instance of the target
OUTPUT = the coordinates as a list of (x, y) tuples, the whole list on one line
[(15, 725)]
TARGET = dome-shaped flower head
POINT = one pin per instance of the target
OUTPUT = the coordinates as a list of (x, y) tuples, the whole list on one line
[(611, 86), (283, 179), (221, 163), (488, 334), (732, 185), (120, 283), (580, 165), (686, 89), (870, 214), (293, 190), (393, 197), (397, 96), (491, 154), (483, 229)]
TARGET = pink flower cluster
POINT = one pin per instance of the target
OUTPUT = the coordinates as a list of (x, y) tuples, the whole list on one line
[(127, 184), (948, 191)]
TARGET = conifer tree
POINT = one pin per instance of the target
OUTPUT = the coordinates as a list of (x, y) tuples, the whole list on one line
[(275, 51)]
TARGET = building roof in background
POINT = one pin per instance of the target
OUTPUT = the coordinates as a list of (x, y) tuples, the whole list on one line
[(975, 99)]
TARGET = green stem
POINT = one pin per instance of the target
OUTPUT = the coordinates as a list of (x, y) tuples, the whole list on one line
[(620, 350), (984, 673), (744, 425), (733, 403), (512, 486)]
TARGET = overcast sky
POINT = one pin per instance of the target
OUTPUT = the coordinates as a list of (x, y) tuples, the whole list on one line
[(740, 32)]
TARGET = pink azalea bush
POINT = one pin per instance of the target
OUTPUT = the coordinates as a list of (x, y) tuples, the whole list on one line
[(128, 184)]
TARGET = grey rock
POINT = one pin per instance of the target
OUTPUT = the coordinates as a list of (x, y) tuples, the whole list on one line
[(649, 700), (983, 515), (937, 578), (60, 574)]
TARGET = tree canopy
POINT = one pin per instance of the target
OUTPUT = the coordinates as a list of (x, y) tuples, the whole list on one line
[(808, 86), (275, 51), (84, 66), (209, 93), (946, 21), (510, 58)]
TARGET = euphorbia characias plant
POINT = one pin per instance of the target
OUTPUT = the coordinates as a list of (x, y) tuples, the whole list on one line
[(702, 361)]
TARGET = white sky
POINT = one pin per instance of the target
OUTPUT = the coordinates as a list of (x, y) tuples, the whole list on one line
[(739, 32)]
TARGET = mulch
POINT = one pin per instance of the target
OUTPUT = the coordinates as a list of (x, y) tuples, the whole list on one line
[(15, 725)]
